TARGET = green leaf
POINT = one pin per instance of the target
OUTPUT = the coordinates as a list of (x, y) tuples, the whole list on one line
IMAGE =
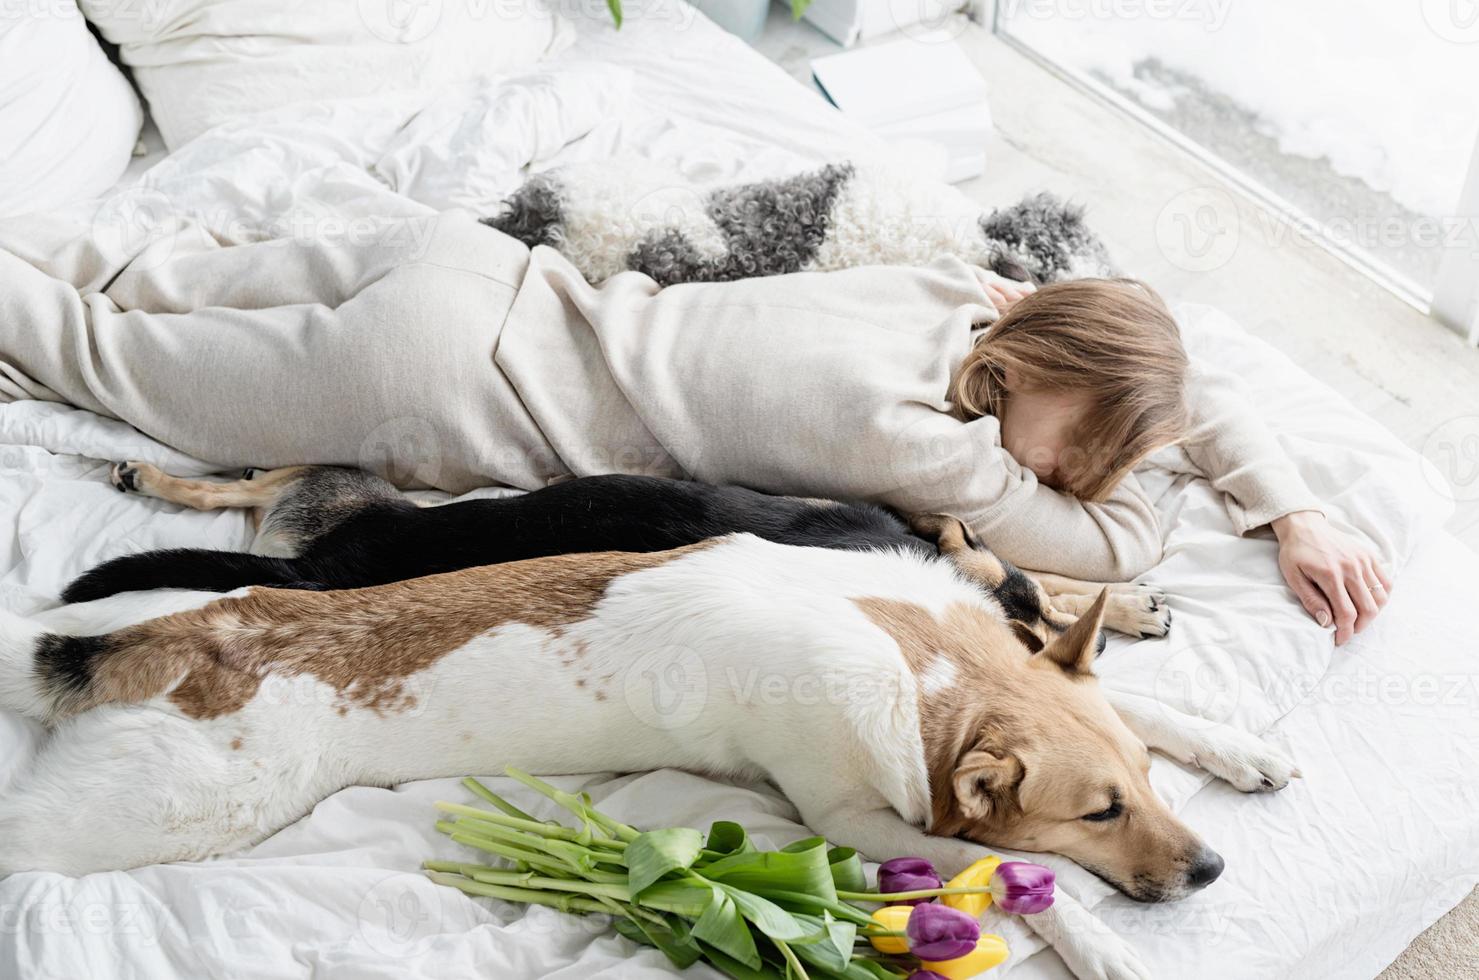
[(722, 927), (632, 931), (728, 837), (740, 971), (682, 928), (842, 934), (835, 937), (824, 956), (858, 969), (682, 953), (847, 870), (812, 905), (866, 969), (615, 7), (773, 920), (798, 7), (804, 844), (793, 869), (657, 852), (687, 898)]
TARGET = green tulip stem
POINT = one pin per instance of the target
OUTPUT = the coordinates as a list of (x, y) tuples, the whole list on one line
[(575, 805), (840, 909), (893, 898), (529, 896), (549, 828), (578, 856), (457, 867), (793, 963), (550, 831), (538, 861), (519, 880), (478, 789)]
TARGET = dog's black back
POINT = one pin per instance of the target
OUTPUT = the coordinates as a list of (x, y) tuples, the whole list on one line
[(352, 536)]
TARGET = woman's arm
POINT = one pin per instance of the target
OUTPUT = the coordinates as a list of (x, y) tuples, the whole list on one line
[(1037, 527), (1238, 454), (1337, 580)]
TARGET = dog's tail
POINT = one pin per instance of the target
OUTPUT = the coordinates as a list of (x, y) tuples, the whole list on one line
[(48, 675), (22, 687), (182, 568)]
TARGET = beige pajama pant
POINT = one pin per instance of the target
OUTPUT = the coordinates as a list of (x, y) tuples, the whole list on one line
[(372, 354)]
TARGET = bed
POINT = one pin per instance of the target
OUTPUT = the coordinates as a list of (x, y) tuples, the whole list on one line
[(1330, 878)]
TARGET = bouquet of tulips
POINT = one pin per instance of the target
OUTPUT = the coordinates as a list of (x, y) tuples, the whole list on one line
[(752, 914)]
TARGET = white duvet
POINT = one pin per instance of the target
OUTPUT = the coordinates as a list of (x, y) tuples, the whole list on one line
[(1329, 878)]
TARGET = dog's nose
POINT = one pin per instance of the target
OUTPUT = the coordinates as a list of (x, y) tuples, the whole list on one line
[(1206, 870)]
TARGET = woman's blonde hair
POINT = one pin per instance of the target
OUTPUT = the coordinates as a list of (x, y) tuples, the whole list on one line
[(1111, 339)]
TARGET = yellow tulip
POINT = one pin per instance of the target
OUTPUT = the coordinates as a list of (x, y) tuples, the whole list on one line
[(977, 875), (990, 951), (893, 918)]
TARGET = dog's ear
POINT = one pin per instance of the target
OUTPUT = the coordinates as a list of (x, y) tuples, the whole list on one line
[(985, 783), (948, 533), (1029, 637), (1076, 649)]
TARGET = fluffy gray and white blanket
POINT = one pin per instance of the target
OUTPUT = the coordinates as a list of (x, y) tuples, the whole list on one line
[(626, 214)]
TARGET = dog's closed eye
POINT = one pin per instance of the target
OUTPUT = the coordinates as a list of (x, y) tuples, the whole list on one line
[(1108, 813)]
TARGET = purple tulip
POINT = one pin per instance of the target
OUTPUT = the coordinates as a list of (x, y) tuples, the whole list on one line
[(1022, 888), (939, 932), (926, 975), (907, 875)]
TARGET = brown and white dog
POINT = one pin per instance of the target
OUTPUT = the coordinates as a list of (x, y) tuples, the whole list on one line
[(884, 693)]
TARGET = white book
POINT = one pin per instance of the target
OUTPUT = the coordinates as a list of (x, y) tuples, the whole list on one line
[(850, 21), (900, 80), (964, 167), (965, 129)]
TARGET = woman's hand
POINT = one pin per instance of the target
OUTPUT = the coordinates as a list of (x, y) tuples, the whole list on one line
[(1004, 292), (1337, 579)]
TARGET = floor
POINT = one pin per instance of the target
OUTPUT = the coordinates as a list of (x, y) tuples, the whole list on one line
[(1144, 195)]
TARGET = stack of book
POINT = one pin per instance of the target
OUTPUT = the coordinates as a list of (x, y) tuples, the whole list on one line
[(918, 89)]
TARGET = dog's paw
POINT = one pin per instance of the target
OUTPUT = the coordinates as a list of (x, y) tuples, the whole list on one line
[(1246, 761), (1089, 948), (125, 477), (1139, 610), (1104, 956)]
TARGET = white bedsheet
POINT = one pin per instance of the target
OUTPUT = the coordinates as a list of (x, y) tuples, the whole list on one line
[(1330, 878)]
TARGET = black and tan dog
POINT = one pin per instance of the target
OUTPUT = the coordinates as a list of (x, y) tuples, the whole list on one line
[(326, 527)]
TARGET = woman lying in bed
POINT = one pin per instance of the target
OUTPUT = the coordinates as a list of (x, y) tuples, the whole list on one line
[(443, 353)]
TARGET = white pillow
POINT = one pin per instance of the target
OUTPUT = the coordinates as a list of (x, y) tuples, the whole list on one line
[(69, 118), (203, 62)]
